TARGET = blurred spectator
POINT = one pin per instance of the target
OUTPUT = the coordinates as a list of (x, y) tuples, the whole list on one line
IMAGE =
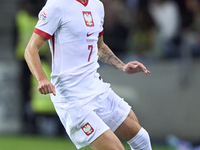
[(33, 102), (141, 35), (190, 44), (25, 20), (191, 29), (133, 4), (166, 15), (116, 25)]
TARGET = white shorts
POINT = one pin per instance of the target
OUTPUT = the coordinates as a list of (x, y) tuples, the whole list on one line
[(85, 120)]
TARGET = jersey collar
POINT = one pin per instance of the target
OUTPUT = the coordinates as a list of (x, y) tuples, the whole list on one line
[(84, 4)]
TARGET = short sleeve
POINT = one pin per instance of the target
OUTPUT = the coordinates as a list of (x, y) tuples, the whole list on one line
[(102, 16), (49, 19), (102, 19)]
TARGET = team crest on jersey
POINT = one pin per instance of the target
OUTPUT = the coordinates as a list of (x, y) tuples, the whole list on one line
[(87, 15), (43, 16), (87, 129)]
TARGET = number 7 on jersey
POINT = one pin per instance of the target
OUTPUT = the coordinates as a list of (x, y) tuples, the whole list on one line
[(90, 47)]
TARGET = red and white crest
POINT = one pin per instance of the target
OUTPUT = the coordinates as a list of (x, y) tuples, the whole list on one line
[(87, 129), (87, 15)]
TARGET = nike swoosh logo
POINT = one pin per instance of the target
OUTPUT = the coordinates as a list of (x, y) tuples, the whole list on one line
[(89, 34)]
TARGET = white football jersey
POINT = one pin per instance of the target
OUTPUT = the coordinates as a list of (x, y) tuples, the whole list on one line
[(73, 29)]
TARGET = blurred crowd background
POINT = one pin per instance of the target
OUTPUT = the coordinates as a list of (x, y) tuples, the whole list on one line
[(162, 34)]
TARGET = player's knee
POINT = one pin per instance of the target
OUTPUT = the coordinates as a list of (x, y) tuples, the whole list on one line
[(107, 141), (122, 148), (116, 148), (108, 148)]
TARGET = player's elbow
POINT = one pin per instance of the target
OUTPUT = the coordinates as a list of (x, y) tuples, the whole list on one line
[(26, 53)]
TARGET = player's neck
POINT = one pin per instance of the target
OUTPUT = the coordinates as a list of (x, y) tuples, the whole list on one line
[(83, 1)]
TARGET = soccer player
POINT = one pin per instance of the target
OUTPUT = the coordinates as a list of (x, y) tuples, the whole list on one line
[(90, 111)]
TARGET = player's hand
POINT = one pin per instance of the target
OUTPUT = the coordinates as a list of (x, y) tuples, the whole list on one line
[(46, 87), (135, 67)]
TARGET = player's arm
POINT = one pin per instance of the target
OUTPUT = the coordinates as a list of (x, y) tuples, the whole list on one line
[(33, 60), (108, 57)]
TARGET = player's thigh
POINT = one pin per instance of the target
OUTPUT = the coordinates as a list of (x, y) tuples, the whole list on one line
[(107, 141), (129, 128)]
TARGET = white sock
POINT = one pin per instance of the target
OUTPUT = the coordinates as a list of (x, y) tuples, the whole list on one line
[(141, 141)]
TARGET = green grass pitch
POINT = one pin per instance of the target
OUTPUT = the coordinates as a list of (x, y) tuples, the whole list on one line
[(46, 143)]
